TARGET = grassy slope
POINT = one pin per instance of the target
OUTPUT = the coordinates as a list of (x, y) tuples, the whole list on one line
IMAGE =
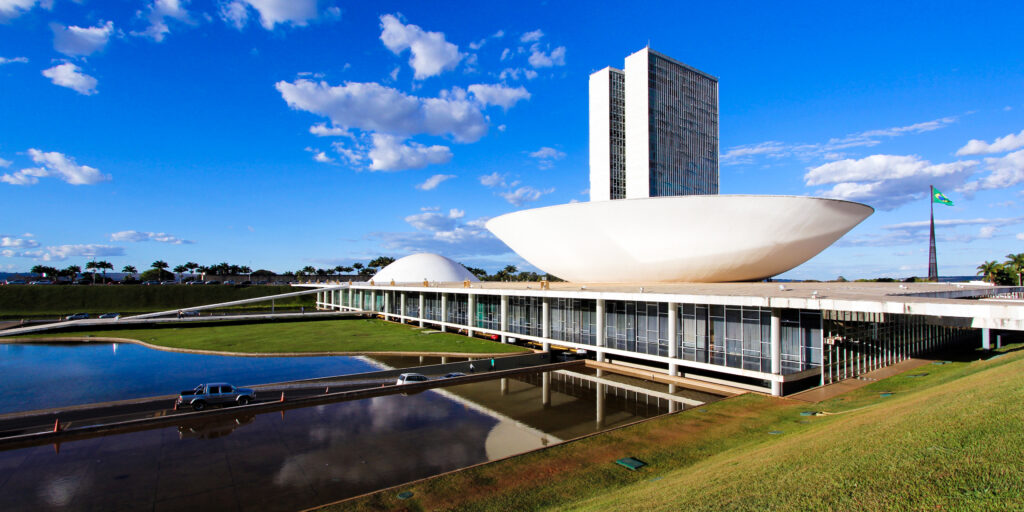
[(347, 335), (950, 440), (55, 300)]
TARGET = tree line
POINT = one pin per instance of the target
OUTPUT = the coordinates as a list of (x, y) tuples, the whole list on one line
[(1008, 272)]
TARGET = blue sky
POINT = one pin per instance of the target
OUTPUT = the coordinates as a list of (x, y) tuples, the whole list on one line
[(279, 134)]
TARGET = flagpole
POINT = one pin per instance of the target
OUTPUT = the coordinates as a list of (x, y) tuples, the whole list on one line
[(933, 266)]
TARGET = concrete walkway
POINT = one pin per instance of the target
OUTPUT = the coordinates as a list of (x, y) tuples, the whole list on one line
[(835, 389)]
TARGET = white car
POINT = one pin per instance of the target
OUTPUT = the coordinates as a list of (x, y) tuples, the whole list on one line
[(411, 378)]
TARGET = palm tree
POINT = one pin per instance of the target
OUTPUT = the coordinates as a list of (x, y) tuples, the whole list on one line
[(180, 269), (159, 265), (128, 269), (192, 266), (989, 269), (104, 266), (92, 266), (1015, 262), (72, 271)]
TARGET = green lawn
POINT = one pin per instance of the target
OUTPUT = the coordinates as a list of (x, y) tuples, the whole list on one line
[(948, 440), (346, 335), (58, 300)]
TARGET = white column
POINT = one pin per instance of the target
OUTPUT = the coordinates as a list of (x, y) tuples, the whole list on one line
[(776, 349), (545, 318), (387, 305), (422, 303), (401, 304), (504, 317), (986, 339), (444, 311), (545, 382), (599, 327), (350, 294), (673, 314), (471, 313), (599, 420)]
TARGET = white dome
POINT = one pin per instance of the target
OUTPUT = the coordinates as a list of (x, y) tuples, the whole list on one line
[(416, 268)]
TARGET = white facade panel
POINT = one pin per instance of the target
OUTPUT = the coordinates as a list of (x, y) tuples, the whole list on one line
[(600, 132), (638, 182)]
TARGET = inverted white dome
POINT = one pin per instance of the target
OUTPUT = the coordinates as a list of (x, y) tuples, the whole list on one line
[(711, 238), (416, 268)]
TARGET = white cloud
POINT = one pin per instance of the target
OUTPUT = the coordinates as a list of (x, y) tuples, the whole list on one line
[(10, 9), (63, 252), (1020, 236), (525, 194), (914, 233), (13, 60), (81, 41), (56, 165), (1005, 171), (431, 54), (5, 163), (506, 54), (390, 153), (373, 107), (986, 231), (272, 12), (546, 156), (158, 13), (322, 157), (322, 130), (530, 37), (496, 94), (493, 180), (539, 59), (71, 76), (147, 236), (432, 220), (1001, 144), (886, 181), (828, 150), (17, 243), (926, 224), (432, 182)]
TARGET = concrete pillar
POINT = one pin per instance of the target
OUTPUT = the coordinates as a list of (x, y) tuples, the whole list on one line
[(599, 402), (986, 339), (471, 313), (421, 359), (673, 332), (444, 359), (444, 311), (401, 304), (545, 346), (504, 385), (387, 305), (504, 318), (599, 327), (423, 303), (775, 345), (999, 341), (350, 293), (545, 318), (545, 389)]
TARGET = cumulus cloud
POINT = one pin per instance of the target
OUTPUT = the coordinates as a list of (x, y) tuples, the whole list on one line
[(829, 150), (432, 182), (495, 179), (539, 59), (1005, 171), (497, 94), (373, 107), (443, 233), (272, 12), (56, 165), (914, 233), (523, 195), (71, 76), (322, 130), (10, 9), (321, 157), (531, 37), (158, 13), (13, 60), (431, 53), (81, 41), (17, 243), (5, 163), (887, 181), (1000, 145), (147, 236), (1020, 236), (63, 252), (546, 157), (432, 220), (391, 153)]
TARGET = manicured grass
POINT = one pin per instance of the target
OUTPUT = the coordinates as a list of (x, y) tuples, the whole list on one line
[(948, 440), (56, 300), (346, 335)]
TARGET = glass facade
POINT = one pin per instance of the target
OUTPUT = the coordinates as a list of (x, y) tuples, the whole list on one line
[(412, 304), (524, 316), (432, 306), (573, 320), (617, 133), (458, 308), (488, 312), (637, 326)]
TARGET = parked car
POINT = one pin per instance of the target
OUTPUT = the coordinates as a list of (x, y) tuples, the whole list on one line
[(229, 283), (452, 375), (77, 316), (41, 281), (212, 282), (189, 313), (110, 315), (168, 282), (411, 378), (150, 283), (215, 393), (15, 281)]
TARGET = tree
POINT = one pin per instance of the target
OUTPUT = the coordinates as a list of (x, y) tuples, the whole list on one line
[(45, 271), (989, 270), (72, 272), (159, 266), (480, 273), (192, 267), (1015, 264), (129, 269), (357, 266), (104, 266), (245, 270), (180, 269), (155, 274), (381, 261), (92, 267)]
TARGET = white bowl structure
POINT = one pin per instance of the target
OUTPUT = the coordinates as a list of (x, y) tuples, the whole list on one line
[(711, 238), (417, 268)]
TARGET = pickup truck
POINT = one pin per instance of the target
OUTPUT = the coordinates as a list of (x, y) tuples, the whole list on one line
[(215, 393)]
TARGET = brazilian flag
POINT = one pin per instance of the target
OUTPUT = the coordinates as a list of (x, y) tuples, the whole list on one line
[(938, 197)]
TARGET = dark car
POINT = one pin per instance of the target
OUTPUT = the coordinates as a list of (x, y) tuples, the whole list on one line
[(452, 375), (111, 315), (77, 316)]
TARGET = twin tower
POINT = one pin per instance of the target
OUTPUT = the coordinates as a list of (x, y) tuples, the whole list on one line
[(653, 129)]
